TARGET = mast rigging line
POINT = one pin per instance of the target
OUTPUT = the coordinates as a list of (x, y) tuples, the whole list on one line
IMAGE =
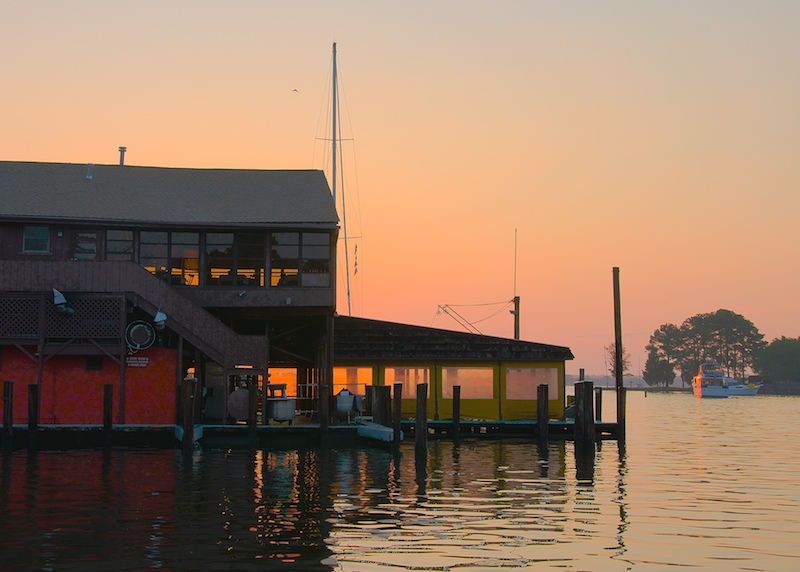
[(449, 309)]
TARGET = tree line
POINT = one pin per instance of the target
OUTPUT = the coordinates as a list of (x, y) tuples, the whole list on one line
[(725, 337)]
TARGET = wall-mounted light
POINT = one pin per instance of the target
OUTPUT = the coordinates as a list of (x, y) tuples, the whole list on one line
[(160, 320), (62, 306)]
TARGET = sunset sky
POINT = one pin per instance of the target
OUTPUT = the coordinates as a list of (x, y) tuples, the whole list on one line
[(659, 137)]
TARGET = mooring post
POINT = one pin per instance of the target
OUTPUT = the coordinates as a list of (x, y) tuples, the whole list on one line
[(456, 410), (368, 403), (397, 407), (421, 424), (584, 414), (618, 357), (189, 388), (252, 408), (598, 404), (543, 410), (108, 408), (8, 411), (382, 412), (33, 411)]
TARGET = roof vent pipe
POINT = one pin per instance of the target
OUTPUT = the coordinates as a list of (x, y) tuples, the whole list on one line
[(122, 155), (89, 169)]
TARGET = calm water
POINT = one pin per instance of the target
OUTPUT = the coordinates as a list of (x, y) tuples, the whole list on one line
[(709, 485)]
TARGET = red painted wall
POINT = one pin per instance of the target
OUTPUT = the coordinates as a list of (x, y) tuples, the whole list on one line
[(72, 395)]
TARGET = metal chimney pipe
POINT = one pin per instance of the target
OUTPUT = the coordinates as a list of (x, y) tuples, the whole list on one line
[(122, 155)]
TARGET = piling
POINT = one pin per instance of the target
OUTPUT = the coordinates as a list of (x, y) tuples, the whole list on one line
[(456, 410), (618, 357), (8, 412), (108, 408), (189, 390), (397, 410), (543, 410), (33, 410), (421, 424), (368, 400), (584, 414), (382, 405), (598, 404), (252, 409)]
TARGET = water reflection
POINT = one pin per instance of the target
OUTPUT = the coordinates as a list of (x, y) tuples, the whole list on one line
[(687, 489)]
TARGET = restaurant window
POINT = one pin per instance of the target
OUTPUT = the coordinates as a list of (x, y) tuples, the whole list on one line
[(235, 259), (475, 382), (84, 245), (353, 379), (523, 382), (316, 256), (184, 248), (36, 240), (285, 257), (301, 259), (119, 244), (171, 254), (410, 377), (154, 252)]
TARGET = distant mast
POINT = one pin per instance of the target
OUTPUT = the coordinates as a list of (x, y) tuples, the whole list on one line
[(334, 158)]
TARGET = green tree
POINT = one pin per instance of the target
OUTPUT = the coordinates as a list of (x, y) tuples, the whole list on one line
[(657, 371), (780, 360), (724, 336), (611, 359)]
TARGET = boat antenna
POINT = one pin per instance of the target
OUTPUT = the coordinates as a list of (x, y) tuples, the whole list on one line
[(515, 311)]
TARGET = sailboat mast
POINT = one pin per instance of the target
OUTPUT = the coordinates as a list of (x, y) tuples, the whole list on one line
[(334, 159)]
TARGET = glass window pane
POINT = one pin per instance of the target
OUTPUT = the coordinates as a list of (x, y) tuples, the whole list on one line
[(475, 382), (321, 238), (410, 378), (84, 245), (354, 379), (36, 239), (119, 244), (522, 383)]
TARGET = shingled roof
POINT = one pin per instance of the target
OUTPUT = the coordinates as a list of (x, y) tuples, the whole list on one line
[(159, 195), (365, 339)]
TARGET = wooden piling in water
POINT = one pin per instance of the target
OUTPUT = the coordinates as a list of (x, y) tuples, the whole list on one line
[(252, 408), (598, 404), (618, 358), (108, 408), (33, 410), (382, 406), (543, 410), (397, 405), (456, 410), (188, 393), (8, 412), (421, 423), (584, 412), (368, 400)]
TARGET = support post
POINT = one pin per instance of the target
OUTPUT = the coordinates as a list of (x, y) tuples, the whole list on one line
[(33, 410), (618, 357), (8, 412), (252, 407), (397, 405), (456, 410), (189, 390), (382, 408), (598, 404), (369, 396), (108, 407), (421, 425), (584, 414), (543, 410)]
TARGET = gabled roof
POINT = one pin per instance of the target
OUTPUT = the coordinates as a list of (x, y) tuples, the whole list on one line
[(159, 195), (364, 339)]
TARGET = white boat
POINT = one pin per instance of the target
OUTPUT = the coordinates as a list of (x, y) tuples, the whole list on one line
[(737, 388), (711, 381)]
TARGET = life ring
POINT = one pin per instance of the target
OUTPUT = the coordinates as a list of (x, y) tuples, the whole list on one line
[(140, 335)]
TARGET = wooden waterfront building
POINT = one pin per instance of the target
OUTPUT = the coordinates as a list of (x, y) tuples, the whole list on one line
[(137, 276), (498, 377)]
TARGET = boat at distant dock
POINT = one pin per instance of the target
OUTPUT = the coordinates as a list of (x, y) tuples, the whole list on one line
[(711, 381)]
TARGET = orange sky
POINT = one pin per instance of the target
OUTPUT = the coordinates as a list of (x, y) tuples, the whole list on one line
[(658, 137)]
